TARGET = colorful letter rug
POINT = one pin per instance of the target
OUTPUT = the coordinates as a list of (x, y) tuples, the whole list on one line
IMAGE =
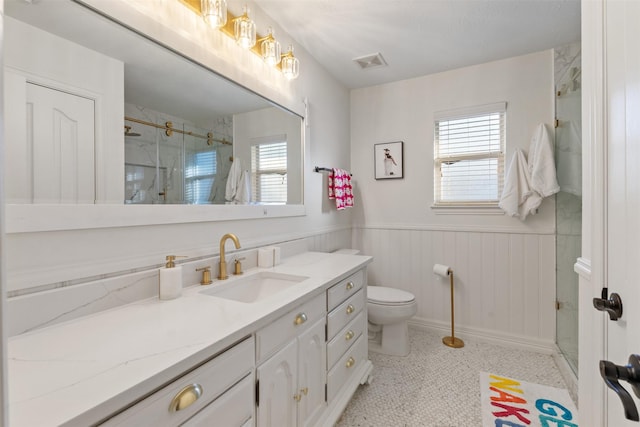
[(512, 403)]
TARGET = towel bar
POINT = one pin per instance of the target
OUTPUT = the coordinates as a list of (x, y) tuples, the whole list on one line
[(322, 169)]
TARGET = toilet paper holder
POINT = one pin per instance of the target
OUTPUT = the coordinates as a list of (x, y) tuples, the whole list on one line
[(451, 341)]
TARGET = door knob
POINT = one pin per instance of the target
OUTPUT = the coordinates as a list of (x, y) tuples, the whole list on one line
[(630, 373), (612, 305)]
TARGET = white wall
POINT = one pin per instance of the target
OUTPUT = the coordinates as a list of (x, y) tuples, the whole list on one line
[(504, 268), (44, 260)]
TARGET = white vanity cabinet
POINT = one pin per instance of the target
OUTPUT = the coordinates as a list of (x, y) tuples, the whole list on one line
[(291, 381), (346, 332), (220, 392)]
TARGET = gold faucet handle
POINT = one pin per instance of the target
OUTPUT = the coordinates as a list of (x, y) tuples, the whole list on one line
[(171, 258), (206, 275), (238, 266)]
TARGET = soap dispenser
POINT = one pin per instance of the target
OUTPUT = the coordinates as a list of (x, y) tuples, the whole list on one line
[(171, 279)]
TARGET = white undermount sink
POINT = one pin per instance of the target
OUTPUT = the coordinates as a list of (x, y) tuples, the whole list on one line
[(254, 287)]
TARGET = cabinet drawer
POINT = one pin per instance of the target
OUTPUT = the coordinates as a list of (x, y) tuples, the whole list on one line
[(343, 339), (234, 408), (213, 379), (344, 289), (344, 313), (288, 326), (346, 366)]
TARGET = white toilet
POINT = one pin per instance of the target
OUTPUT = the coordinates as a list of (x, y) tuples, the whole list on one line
[(388, 310)]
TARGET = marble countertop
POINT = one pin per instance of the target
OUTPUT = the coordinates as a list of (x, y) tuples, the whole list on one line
[(81, 371)]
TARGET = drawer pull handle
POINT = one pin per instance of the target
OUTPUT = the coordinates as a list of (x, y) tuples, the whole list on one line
[(350, 362), (305, 390), (300, 319), (297, 397), (348, 335), (350, 309), (349, 286), (185, 397)]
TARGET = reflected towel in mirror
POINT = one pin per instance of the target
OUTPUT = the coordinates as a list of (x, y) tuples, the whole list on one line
[(238, 184)]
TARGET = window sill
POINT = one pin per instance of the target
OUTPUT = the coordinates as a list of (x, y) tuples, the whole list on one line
[(467, 209)]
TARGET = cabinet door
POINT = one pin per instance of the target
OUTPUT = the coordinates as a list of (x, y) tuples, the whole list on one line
[(312, 357), (278, 391)]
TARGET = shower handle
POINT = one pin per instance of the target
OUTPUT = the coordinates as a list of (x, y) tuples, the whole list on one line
[(611, 373), (612, 305)]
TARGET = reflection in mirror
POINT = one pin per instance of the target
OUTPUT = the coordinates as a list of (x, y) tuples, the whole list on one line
[(170, 161), (254, 154)]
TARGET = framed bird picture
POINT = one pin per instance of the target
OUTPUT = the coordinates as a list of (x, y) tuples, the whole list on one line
[(388, 160)]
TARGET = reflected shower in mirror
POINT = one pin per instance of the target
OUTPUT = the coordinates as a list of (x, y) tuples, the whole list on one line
[(170, 161)]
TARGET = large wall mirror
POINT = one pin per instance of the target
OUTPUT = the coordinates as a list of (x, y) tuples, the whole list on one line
[(114, 118)]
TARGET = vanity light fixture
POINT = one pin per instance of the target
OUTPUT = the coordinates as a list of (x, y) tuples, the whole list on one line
[(214, 12), (270, 49), (290, 65), (244, 29)]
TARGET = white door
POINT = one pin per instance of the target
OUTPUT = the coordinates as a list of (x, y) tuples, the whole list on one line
[(60, 132), (623, 191)]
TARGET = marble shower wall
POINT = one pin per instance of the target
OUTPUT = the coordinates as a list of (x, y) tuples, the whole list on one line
[(569, 200)]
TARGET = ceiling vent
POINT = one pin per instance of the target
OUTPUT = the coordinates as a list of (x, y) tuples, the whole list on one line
[(371, 61)]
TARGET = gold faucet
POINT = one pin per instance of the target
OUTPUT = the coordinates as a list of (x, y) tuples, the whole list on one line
[(223, 263)]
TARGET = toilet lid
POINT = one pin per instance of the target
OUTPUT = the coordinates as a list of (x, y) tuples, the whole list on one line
[(384, 295)]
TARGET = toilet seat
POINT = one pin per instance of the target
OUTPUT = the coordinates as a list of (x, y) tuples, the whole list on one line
[(382, 295)]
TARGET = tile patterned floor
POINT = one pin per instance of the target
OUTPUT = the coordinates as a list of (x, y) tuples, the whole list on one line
[(438, 386)]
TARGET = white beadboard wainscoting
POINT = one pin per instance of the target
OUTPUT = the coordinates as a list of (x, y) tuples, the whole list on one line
[(504, 280)]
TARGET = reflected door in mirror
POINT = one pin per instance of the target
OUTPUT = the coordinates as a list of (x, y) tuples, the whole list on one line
[(60, 137)]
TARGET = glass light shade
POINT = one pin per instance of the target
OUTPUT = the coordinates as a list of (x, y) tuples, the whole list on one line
[(244, 30), (214, 12), (270, 48), (290, 65)]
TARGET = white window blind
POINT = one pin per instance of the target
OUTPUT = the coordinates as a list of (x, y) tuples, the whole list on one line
[(269, 173), (199, 175), (469, 156)]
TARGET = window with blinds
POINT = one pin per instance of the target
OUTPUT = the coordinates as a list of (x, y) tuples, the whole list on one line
[(199, 175), (269, 173), (469, 156)]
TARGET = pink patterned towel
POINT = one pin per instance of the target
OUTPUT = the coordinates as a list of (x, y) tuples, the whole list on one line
[(340, 188)]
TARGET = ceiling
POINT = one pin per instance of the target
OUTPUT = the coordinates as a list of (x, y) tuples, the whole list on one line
[(420, 37)]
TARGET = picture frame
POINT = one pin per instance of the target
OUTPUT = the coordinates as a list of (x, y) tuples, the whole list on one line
[(388, 158)]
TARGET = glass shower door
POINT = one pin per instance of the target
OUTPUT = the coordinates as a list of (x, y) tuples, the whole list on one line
[(568, 208)]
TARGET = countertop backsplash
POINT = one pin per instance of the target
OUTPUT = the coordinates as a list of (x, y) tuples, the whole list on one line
[(37, 310)]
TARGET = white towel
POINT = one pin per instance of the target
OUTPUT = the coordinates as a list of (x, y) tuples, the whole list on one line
[(243, 195), (224, 158), (541, 163), (233, 180), (518, 198)]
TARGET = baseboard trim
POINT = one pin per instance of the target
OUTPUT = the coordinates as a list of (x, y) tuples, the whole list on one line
[(495, 337)]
